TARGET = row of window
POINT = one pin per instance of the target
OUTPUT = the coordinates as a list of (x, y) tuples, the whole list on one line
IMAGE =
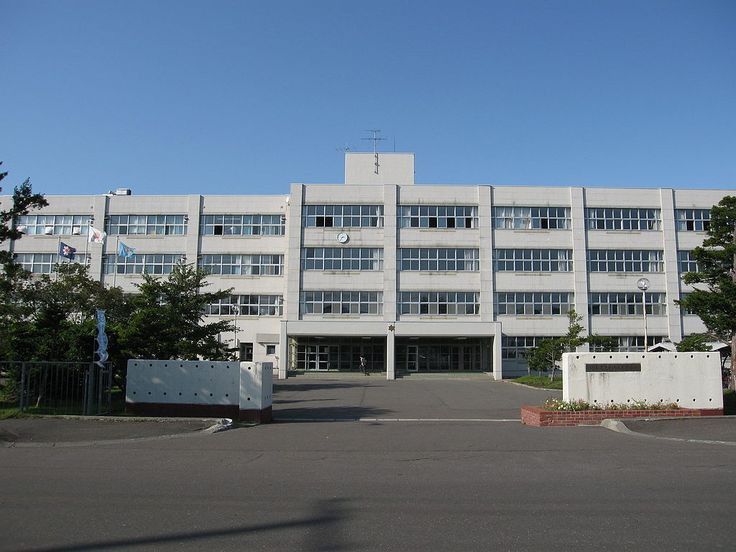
[(518, 347), (43, 263), (371, 259), (341, 302), (371, 216), (626, 304), (247, 305)]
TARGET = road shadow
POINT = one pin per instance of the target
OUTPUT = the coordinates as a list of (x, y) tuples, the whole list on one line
[(316, 386), (323, 531), (327, 413)]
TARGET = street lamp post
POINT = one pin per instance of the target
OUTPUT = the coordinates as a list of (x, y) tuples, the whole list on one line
[(236, 312), (643, 285)]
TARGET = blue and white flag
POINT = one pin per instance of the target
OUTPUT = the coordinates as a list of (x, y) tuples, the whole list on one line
[(125, 251), (66, 251), (101, 338)]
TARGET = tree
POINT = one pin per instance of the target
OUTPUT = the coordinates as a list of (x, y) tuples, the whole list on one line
[(715, 301), (167, 320), (23, 201), (694, 343), (549, 351)]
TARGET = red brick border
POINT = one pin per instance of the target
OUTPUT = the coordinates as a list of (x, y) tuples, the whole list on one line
[(539, 417)]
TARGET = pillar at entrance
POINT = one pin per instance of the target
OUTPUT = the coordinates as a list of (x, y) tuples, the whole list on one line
[(390, 355)]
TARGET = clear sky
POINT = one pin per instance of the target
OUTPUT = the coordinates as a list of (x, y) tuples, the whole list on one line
[(240, 97)]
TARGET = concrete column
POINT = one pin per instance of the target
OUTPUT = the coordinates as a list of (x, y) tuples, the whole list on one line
[(485, 253), (96, 251), (293, 254), (283, 350), (390, 244), (671, 265), (497, 360), (194, 208), (390, 355), (579, 255)]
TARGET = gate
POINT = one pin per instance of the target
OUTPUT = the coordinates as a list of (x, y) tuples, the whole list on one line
[(81, 388)]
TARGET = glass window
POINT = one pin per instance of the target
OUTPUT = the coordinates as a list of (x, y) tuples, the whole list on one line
[(625, 260), (54, 225), (531, 218), (247, 305), (43, 263), (342, 302), (342, 258), (243, 265), (342, 216), (520, 303), (626, 304), (147, 225), (532, 260), (439, 303), (686, 262), (621, 218), (438, 260), (692, 220), (438, 216), (162, 263), (243, 225)]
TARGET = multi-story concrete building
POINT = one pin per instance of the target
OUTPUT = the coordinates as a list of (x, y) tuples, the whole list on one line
[(412, 277)]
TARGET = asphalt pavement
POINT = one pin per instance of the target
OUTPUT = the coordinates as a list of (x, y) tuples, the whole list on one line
[(374, 484)]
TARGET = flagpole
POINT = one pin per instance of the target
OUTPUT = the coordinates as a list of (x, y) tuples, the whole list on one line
[(86, 245), (58, 251), (115, 264)]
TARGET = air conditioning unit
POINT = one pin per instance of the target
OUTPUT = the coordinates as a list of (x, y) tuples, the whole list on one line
[(48, 230)]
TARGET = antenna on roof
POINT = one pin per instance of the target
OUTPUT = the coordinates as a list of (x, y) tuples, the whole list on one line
[(375, 140)]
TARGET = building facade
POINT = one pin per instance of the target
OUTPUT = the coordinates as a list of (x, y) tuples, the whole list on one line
[(411, 277)]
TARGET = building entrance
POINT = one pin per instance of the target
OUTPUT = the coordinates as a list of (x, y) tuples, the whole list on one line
[(341, 354), (436, 355)]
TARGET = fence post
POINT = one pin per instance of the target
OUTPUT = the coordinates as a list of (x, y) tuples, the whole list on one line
[(89, 390), (23, 390)]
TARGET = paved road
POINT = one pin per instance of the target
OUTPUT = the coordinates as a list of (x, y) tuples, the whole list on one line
[(320, 486)]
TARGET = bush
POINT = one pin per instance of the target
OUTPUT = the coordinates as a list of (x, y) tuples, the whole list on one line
[(540, 381)]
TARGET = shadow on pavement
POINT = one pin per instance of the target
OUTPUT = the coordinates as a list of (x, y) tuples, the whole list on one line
[(327, 413)]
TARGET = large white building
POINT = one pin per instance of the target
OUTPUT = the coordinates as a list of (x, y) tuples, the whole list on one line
[(413, 277)]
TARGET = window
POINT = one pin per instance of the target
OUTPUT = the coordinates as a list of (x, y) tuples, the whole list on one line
[(625, 260), (632, 343), (438, 260), (146, 225), (524, 303), (532, 260), (518, 346), (531, 218), (342, 258), (247, 305), (692, 220), (686, 262), (139, 264), (683, 310), (43, 263), (342, 302), (439, 303), (54, 225), (343, 216), (270, 349), (626, 304), (438, 216), (243, 225), (243, 265), (618, 218)]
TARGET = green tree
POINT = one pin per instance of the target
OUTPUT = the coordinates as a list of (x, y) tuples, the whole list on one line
[(14, 281), (167, 319), (23, 201), (694, 342), (548, 353), (714, 298)]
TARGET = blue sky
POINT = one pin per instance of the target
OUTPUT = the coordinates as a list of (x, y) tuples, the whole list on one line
[(245, 97)]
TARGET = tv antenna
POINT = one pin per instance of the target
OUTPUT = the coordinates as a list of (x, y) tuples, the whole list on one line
[(375, 140)]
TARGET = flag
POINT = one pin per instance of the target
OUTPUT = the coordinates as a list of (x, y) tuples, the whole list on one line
[(96, 236), (66, 251), (101, 338), (125, 251)]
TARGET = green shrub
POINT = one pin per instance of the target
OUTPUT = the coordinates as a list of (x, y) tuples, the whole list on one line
[(575, 406)]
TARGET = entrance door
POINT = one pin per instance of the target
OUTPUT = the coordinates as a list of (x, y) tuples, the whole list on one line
[(412, 358), (318, 357)]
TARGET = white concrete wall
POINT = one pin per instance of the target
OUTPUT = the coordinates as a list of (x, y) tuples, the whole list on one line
[(691, 380), (247, 384)]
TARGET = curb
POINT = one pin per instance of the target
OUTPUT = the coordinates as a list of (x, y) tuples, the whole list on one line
[(620, 427), (220, 425)]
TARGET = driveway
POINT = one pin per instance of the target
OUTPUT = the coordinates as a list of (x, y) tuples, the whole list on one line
[(448, 398)]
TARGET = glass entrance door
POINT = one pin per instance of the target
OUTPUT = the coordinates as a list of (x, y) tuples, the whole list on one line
[(412, 358), (318, 357)]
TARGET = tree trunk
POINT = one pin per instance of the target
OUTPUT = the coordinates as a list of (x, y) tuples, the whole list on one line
[(732, 379)]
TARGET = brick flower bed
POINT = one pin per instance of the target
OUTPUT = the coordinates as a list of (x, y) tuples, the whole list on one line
[(540, 417)]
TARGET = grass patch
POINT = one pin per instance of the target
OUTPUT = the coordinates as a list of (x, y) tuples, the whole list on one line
[(543, 382)]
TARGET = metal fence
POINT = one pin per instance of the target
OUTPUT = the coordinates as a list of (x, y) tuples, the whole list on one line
[(82, 388)]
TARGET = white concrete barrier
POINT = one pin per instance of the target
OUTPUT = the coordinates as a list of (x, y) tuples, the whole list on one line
[(239, 390), (691, 380)]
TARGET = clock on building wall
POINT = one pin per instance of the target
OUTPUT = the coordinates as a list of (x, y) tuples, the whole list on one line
[(342, 237)]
